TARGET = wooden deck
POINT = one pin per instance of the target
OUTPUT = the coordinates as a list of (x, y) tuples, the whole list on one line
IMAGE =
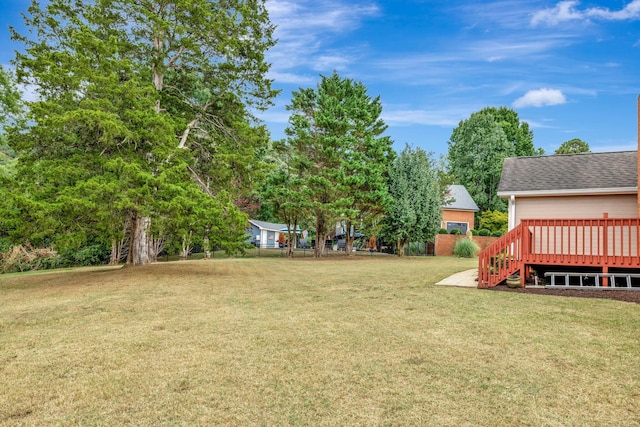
[(601, 243)]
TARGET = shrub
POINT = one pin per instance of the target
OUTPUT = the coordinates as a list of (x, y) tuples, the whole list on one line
[(497, 234), (443, 231), (466, 248), (494, 220), (483, 232), (416, 248), (5, 244), (455, 231), (25, 258), (474, 232), (92, 254), (95, 254)]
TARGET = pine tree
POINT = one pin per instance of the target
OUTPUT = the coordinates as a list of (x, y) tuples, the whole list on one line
[(335, 135)]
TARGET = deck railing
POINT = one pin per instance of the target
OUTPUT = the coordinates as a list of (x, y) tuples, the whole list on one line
[(601, 242)]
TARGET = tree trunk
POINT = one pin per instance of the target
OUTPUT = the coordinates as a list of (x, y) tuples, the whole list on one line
[(400, 245), (348, 247), (318, 250), (115, 253), (206, 247), (291, 238), (157, 246), (186, 246), (117, 249), (140, 242)]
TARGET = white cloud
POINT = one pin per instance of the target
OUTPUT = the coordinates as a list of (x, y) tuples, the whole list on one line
[(272, 116), (512, 14), (538, 125), (333, 61), (629, 12), (539, 98), (516, 46), (562, 12), (406, 117), (612, 146), (305, 29), (310, 16), (291, 78), (567, 10)]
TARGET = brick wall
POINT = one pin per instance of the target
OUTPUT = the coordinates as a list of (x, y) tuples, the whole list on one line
[(457, 216), (445, 243)]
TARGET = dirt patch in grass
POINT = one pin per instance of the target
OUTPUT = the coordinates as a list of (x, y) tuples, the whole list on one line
[(618, 295)]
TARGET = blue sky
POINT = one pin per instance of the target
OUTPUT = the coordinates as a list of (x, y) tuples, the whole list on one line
[(570, 69)]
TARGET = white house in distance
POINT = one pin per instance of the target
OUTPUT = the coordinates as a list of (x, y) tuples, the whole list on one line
[(266, 234)]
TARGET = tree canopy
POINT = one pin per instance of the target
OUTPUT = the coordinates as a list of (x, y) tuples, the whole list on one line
[(10, 109), (337, 148), (140, 104), (10, 98), (477, 148), (517, 133), (573, 146), (286, 195), (417, 199)]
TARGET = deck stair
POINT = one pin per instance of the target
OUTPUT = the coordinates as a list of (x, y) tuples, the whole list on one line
[(501, 259)]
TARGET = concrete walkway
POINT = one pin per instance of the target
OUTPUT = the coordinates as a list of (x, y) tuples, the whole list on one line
[(465, 279)]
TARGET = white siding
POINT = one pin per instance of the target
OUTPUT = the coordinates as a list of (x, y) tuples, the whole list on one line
[(617, 206)]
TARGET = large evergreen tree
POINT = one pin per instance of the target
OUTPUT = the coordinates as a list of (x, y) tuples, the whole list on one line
[(10, 108), (285, 193), (417, 199), (141, 103), (336, 136), (10, 98)]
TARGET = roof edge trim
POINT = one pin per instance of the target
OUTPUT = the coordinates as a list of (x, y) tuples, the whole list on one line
[(570, 192)]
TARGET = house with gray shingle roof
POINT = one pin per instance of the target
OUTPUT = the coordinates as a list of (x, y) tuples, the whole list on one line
[(586, 185), (459, 209), (265, 234), (569, 214)]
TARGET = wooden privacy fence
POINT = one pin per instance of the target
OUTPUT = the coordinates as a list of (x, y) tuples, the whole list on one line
[(601, 242)]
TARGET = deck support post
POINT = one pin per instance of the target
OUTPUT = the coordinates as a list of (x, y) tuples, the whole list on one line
[(605, 279)]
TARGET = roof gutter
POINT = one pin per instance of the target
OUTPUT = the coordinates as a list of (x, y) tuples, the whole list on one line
[(570, 192)]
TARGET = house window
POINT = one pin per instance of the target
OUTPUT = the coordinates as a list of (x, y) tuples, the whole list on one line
[(462, 226)]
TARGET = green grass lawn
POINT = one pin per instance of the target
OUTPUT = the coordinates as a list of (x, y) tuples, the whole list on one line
[(270, 341)]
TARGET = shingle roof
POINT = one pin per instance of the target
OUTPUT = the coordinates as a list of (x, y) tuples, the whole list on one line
[(461, 199), (268, 225), (570, 172)]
